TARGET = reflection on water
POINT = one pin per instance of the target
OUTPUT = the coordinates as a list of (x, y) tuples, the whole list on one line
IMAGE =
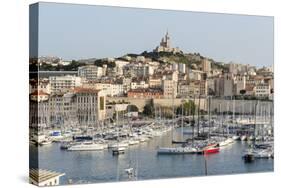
[(102, 166)]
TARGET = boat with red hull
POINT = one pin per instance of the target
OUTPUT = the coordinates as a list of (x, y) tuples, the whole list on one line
[(212, 148)]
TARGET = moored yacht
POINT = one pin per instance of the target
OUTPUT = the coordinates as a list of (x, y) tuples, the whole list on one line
[(243, 138), (123, 143), (177, 150), (211, 148), (86, 146), (226, 142), (118, 150)]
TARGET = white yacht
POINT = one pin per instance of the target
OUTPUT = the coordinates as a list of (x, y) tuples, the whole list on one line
[(235, 137), (177, 150), (133, 142), (143, 139), (243, 137), (45, 142), (226, 142), (124, 143), (118, 150), (86, 146)]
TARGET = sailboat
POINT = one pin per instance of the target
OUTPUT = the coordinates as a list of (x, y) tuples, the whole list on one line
[(228, 140), (177, 150), (119, 148), (211, 147)]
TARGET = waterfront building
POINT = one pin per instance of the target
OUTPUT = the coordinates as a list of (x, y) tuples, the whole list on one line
[(90, 106), (90, 72), (249, 89), (63, 84), (211, 85), (224, 85), (59, 109), (240, 83), (197, 87), (169, 88), (203, 84), (145, 93), (38, 112), (84, 106), (262, 90)]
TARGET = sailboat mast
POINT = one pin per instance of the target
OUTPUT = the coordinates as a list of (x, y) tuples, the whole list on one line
[(255, 123), (182, 120), (198, 118), (209, 114)]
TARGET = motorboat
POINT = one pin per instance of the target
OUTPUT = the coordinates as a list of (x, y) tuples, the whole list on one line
[(226, 142), (123, 143), (45, 142), (243, 138), (235, 137), (86, 146), (133, 142), (177, 150), (118, 150)]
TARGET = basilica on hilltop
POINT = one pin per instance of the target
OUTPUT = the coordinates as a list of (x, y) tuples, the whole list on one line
[(165, 45)]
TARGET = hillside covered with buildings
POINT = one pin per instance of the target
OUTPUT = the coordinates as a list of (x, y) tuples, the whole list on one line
[(163, 73)]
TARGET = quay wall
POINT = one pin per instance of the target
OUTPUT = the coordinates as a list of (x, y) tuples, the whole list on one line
[(246, 106)]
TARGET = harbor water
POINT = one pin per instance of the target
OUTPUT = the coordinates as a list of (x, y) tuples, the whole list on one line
[(102, 166)]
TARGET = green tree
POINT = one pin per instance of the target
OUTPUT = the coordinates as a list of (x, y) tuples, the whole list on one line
[(148, 109), (242, 91), (188, 108)]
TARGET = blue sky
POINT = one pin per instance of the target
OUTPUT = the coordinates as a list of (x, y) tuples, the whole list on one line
[(85, 31)]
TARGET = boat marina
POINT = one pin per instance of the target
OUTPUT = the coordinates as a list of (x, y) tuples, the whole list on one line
[(186, 145)]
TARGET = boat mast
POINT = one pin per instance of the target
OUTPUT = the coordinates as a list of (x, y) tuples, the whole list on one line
[(255, 123), (193, 121), (182, 120), (198, 118), (209, 114)]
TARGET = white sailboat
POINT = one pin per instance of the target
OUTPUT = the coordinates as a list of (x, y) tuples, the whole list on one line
[(119, 147), (228, 140)]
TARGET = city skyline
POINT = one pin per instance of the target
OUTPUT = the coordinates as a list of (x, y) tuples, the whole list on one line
[(217, 35)]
